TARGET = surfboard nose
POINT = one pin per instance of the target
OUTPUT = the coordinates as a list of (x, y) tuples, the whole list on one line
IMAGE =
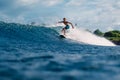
[(62, 36)]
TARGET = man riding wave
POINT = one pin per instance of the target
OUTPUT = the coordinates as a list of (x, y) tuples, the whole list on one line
[(66, 23)]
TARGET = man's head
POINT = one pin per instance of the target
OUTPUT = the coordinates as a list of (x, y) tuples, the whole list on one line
[(64, 19)]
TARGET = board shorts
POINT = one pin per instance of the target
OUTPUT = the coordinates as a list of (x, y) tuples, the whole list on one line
[(67, 27)]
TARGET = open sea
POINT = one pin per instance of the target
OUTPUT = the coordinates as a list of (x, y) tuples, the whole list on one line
[(38, 53)]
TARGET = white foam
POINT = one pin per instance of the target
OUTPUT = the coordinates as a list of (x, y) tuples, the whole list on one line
[(87, 37)]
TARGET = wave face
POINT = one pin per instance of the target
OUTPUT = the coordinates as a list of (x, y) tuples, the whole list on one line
[(27, 32)]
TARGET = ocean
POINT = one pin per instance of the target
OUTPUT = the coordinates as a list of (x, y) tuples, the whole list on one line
[(38, 53)]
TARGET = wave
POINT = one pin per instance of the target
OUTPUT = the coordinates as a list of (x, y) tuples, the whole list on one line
[(44, 34), (27, 32)]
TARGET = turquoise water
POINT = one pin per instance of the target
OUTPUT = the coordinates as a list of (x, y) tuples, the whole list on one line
[(37, 53)]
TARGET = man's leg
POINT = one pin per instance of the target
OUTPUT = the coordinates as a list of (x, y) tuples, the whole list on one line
[(63, 31)]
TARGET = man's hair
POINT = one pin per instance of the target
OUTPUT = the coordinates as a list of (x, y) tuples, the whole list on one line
[(64, 18)]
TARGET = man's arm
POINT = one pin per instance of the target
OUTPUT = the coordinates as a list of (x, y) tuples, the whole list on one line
[(60, 22), (71, 24)]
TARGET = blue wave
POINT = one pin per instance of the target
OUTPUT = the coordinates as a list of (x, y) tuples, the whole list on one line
[(27, 32), (42, 34)]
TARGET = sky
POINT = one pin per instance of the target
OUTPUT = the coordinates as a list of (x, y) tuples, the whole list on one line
[(89, 14)]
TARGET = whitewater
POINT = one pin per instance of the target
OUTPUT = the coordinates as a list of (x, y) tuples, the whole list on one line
[(38, 53), (87, 37)]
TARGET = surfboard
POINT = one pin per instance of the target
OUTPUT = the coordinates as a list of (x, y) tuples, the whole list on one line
[(62, 36)]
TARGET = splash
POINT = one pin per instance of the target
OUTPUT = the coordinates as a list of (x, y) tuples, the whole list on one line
[(84, 36)]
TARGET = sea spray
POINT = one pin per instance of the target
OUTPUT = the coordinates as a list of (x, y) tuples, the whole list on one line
[(87, 37)]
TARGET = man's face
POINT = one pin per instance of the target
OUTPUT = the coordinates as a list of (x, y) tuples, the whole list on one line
[(64, 19)]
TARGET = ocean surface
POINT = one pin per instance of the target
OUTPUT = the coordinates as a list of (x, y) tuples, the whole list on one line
[(38, 53)]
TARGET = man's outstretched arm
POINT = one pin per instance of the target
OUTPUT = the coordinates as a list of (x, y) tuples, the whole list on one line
[(71, 24), (60, 22)]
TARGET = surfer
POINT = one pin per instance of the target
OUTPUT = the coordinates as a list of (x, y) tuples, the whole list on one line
[(65, 22)]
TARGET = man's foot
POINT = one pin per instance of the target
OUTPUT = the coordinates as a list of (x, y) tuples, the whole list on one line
[(64, 34)]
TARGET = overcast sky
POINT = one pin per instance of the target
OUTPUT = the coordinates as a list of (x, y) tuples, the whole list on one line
[(91, 14)]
